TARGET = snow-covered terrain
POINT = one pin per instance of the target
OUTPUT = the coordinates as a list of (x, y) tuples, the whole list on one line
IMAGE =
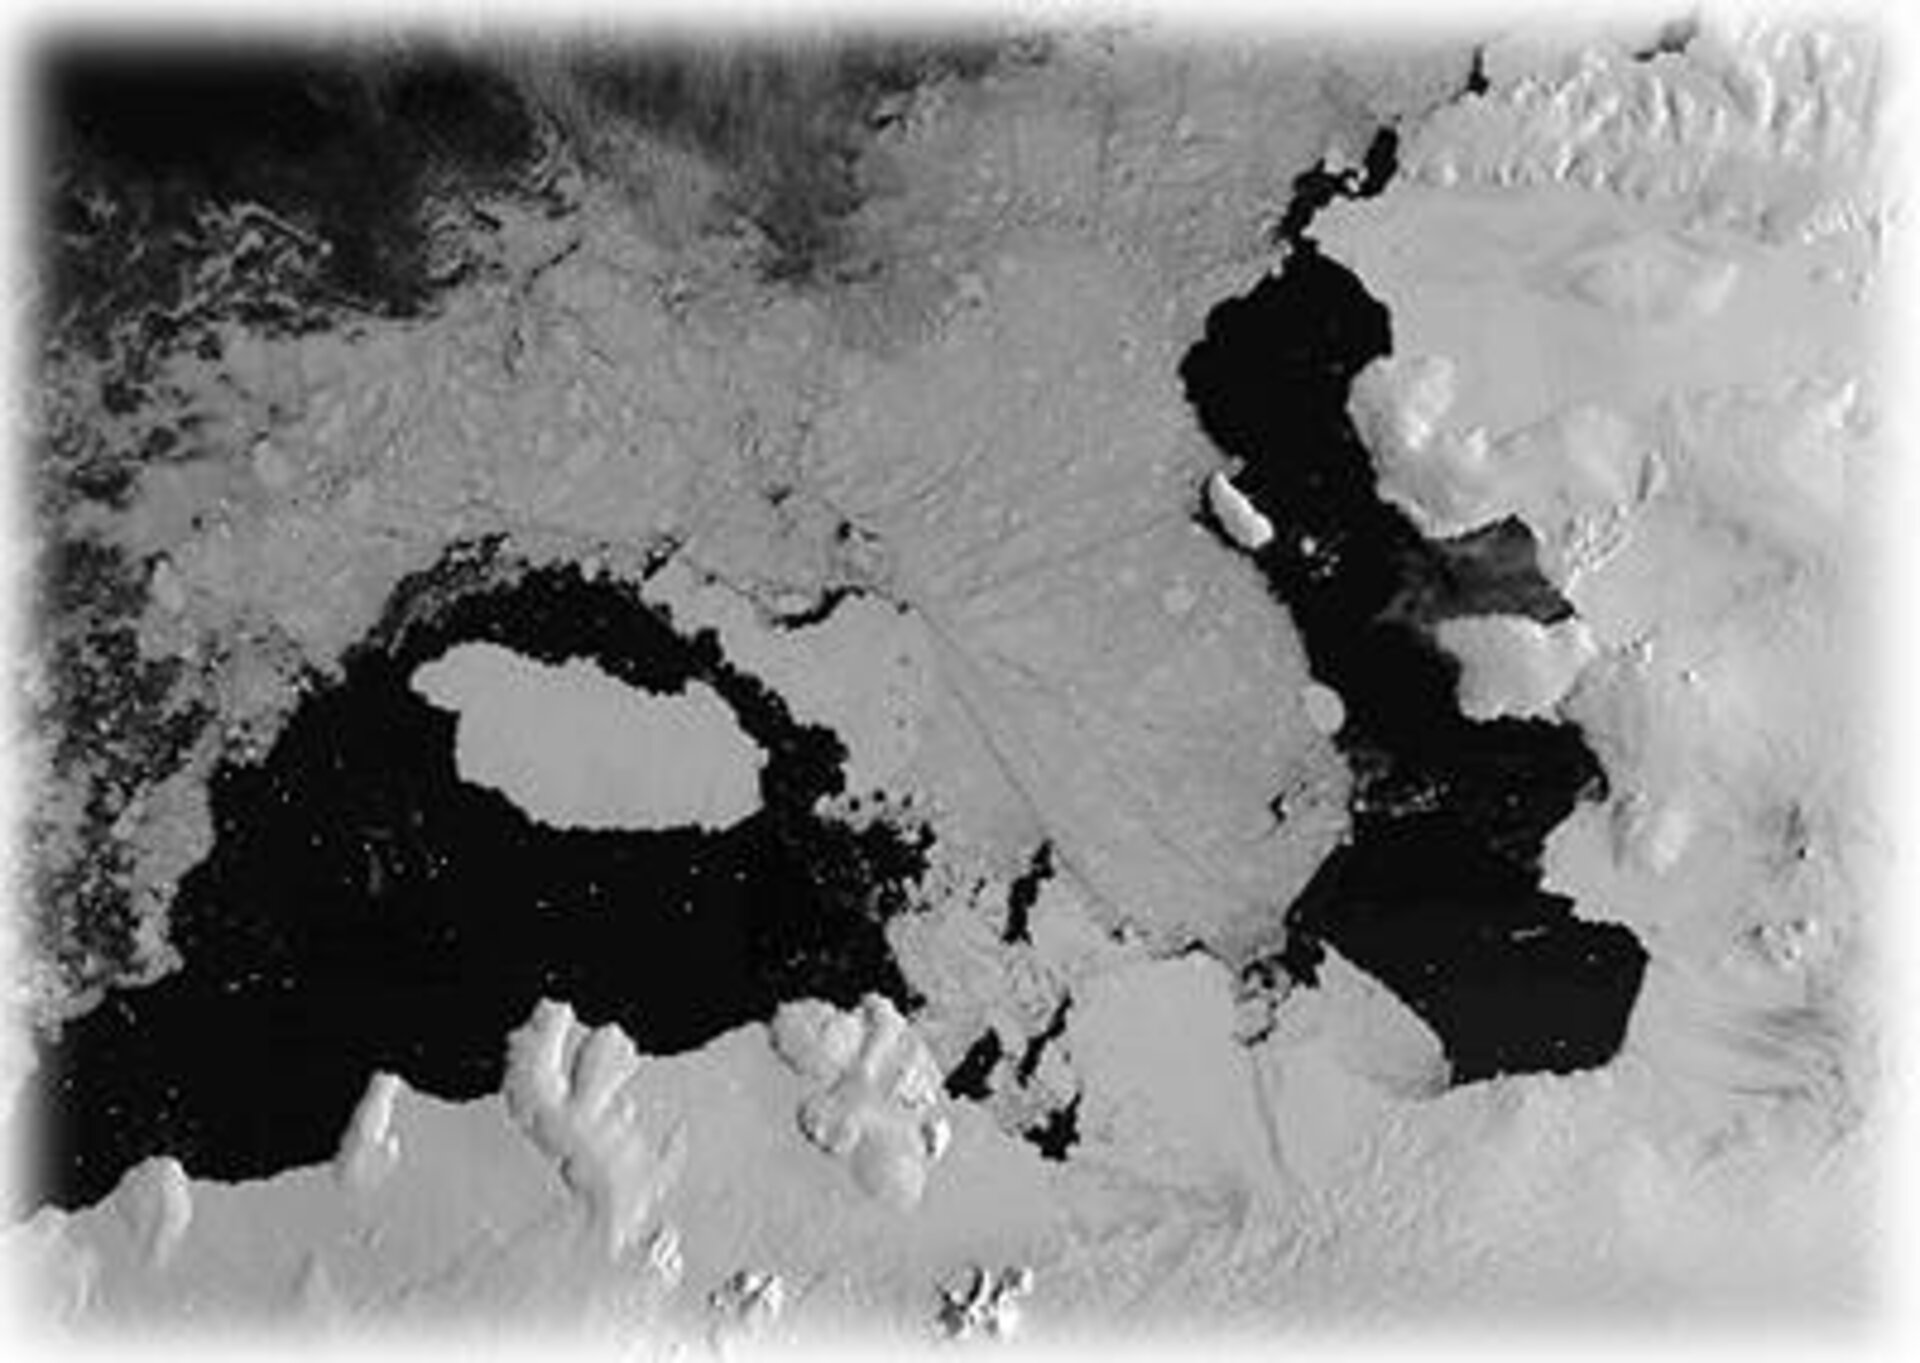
[(951, 510)]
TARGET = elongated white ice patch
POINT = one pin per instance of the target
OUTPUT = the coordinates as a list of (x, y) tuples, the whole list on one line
[(1241, 520), (371, 1147)]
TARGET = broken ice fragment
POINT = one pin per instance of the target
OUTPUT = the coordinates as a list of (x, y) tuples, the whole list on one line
[(1237, 516), (1399, 402), (1514, 666), (1325, 710), (815, 1038), (157, 1205), (750, 1299), (988, 1302), (876, 1109), (1440, 479), (1791, 945), (664, 1256), (169, 592), (572, 1090), (937, 1135), (826, 1121), (371, 1147)]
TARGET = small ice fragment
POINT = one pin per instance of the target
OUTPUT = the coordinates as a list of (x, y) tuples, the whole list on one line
[(169, 593), (751, 1299), (937, 1135), (664, 1256), (987, 1302), (1238, 516), (816, 1039), (1325, 710)]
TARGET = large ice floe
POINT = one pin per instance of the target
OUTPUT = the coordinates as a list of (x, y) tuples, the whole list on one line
[(579, 750)]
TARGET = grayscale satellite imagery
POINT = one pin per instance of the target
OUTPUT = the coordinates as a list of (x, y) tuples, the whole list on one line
[(1058, 680)]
